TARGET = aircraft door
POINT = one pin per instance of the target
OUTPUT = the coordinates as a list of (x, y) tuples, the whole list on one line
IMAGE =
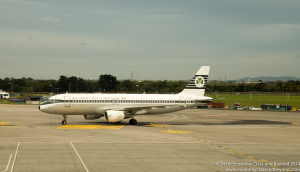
[(67, 101), (182, 102), (115, 101)]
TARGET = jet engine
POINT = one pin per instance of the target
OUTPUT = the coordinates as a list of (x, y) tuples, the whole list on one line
[(91, 117), (114, 116)]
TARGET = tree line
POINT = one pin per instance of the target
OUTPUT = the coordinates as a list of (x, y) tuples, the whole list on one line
[(106, 83), (109, 83), (278, 86)]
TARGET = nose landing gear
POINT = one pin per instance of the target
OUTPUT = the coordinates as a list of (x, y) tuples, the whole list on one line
[(64, 122)]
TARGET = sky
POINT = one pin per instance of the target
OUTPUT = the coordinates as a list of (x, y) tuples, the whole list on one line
[(156, 40)]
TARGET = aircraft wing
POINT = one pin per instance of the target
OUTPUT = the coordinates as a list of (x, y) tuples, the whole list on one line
[(136, 109)]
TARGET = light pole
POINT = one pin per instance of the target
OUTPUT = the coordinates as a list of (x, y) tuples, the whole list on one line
[(137, 89), (12, 88), (259, 101), (52, 88), (286, 99), (57, 90)]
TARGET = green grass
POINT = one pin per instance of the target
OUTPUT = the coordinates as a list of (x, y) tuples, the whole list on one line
[(247, 100), (7, 102)]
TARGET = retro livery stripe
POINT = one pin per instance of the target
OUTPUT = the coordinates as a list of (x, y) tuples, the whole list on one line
[(192, 85)]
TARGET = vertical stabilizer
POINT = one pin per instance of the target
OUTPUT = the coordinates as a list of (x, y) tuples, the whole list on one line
[(197, 85)]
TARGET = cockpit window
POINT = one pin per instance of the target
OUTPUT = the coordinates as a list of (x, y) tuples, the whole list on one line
[(51, 101)]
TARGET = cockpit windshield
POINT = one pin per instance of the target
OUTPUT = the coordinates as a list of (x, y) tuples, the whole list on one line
[(49, 101)]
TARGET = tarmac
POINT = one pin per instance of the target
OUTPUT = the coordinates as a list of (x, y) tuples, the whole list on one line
[(190, 140)]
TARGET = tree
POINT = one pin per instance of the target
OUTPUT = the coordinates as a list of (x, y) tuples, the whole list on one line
[(4, 84), (63, 84), (81, 85), (107, 82), (128, 85), (73, 80)]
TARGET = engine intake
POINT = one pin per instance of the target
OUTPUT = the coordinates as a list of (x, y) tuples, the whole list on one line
[(114, 116)]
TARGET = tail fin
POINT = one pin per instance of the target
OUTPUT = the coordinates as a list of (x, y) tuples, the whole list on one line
[(196, 86)]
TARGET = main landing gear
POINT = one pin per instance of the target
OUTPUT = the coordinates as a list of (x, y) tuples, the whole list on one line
[(64, 122), (132, 121)]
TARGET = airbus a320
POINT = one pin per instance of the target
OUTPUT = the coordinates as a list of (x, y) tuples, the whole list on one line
[(117, 107)]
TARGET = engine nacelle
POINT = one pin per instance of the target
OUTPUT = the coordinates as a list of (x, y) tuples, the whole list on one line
[(91, 117), (114, 116)]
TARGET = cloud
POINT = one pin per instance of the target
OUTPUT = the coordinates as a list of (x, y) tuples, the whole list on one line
[(82, 43), (297, 57), (68, 15), (163, 17), (30, 38), (51, 19)]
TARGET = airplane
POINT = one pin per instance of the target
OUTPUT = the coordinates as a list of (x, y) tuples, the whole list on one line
[(117, 107)]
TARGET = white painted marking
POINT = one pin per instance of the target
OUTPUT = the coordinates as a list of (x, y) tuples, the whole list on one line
[(56, 130), (7, 163), (79, 157), (12, 167)]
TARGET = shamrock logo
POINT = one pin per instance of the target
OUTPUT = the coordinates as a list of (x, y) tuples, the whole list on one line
[(199, 82)]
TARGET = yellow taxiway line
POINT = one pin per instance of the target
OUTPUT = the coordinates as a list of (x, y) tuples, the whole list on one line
[(154, 125), (4, 123), (7, 124)]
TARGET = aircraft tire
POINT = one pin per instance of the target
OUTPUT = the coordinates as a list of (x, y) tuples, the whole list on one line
[(64, 122), (133, 122)]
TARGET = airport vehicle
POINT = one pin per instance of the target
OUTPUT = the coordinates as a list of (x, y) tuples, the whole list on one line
[(3, 94), (116, 107)]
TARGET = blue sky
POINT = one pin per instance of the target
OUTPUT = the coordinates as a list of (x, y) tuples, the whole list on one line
[(154, 39)]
